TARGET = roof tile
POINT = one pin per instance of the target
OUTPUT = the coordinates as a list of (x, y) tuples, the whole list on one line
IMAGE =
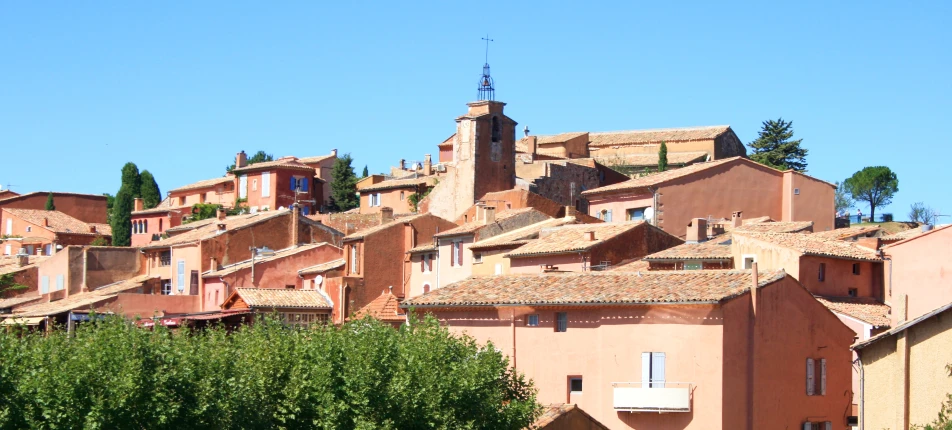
[(866, 309), (385, 308), (60, 222), (572, 238), (658, 135), (283, 298), (811, 244)]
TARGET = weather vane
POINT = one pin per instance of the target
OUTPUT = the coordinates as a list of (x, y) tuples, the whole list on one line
[(486, 91)]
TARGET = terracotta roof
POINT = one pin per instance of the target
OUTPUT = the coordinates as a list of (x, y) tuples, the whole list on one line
[(164, 209), (661, 177), (400, 183), (323, 267), (555, 411), (903, 235), (609, 287), (81, 300), (658, 135), (651, 160), (9, 263), (46, 193), (776, 227), (710, 250), (448, 141), (385, 307), (209, 228), (283, 298), (423, 248), (19, 300), (845, 233), (241, 265), (632, 265), (205, 183), (60, 222), (367, 232), (810, 244), (281, 163), (572, 238), (475, 226), (902, 327), (316, 158), (520, 236), (866, 309)]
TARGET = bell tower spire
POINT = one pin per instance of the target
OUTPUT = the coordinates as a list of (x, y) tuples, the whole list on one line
[(487, 90)]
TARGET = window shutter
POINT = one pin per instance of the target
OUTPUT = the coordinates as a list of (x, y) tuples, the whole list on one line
[(822, 376), (810, 378), (60, 284), (304, 182), (828, 425), (266, 184), (460, 253), (657, 370), (453, 254), (44, 284), (293, 183), (645, 369), (423, 263), (807, 426), (242, 187), (608, 216)]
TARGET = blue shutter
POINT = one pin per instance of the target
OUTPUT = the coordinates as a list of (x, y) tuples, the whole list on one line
[(306, 210), (293, 183), (304, 182)]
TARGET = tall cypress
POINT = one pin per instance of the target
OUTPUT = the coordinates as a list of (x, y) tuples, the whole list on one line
[(122, 218), (663, 157), (131, 179), (49, 202), (151, 196)]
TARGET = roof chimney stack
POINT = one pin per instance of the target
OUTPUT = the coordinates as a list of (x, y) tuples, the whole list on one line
[(403, 164), (386, 215), (222, 213), (590, 236), (46, 222), (137, 206), (22, 258), (697, 231), (737, 219), (427, 165), (570, 211), (241, 160), (489, 215), (334, 152)]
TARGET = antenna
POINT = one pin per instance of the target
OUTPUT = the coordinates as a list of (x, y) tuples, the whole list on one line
[(486, 89)]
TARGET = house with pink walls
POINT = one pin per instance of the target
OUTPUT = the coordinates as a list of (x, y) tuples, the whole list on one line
[(663, 350), (323, 165), (422, 269), (43, 232), (715, 189), (585, 247), (919, 272), (492, 251), (272, 185)]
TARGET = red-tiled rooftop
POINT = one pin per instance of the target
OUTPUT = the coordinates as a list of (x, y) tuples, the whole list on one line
[(710, 250), (59, 222), (609, 287), (573, 238), (520, 236), (658, 135), (282, 298), (651, 160), (845, 233), (205, 183), (392, 184), (323, 267), (367, 232), (658, 178), (811, 244), (553, 412), (866, 309), (281, 163), (476, 225), (82, 300), (776, 227), (385, 307)]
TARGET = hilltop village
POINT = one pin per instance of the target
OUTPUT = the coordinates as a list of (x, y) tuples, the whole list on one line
[(718, 293)]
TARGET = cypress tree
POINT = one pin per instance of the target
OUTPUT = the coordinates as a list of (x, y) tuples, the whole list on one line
[(122, 218), (344, 184), (663, 157), (131, 179), (366, 172), (151, 196), (49, 202)]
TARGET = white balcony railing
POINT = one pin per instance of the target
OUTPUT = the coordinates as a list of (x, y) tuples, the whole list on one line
[(633, 397)]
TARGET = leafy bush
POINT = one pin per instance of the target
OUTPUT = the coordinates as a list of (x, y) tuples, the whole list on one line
[(362, 375)]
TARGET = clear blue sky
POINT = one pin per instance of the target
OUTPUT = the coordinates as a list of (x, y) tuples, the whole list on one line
[(180, 88)]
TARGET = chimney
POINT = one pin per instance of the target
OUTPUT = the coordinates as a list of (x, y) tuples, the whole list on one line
[(427, 165), (295, 223), (241, 160), (570, 211), (531, 145), (213, 264), (334, 152), (403, 164), (386, 215), (525, 131), (697, 231), (489, 214), (221, 227), (590, 236), (46, 222), (137, 206), (92, 229), (222, 213), (755, 275), (737, 219), (22, 258)]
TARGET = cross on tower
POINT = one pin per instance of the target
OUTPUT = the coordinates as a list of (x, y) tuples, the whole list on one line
[(487, 39), (487, 91)]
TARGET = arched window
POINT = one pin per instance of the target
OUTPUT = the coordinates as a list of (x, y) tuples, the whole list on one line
[(497, 130), (160, 225), (145, 225)]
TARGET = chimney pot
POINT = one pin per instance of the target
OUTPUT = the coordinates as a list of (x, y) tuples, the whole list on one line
[(137, 205), (697, 231), (590, 236), (241, 160), (23, 258), (46, 222), (570, 211), (92, 229), (334, 152), (403, 164), (386, 215), (737, 218), (489, 214), (427, 165)]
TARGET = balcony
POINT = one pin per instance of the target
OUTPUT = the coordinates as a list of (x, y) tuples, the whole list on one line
[(633, 397)]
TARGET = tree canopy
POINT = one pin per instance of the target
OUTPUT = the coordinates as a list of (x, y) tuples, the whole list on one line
[(149, 191), (257, 157), (874, 185), (362, 375), (366, 172), (121, 220), (343, 185), (776, 148), (49, 202), (842, 200), (919, 212), (663, 157), (131, 178)]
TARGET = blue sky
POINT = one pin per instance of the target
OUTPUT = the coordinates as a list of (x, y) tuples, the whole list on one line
[(179, 88)]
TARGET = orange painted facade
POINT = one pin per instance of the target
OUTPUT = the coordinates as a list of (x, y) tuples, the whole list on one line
[(920, 270)]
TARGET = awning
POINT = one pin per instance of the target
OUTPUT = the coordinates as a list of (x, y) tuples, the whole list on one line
[(30, 321), (215, 316), (168, 322)]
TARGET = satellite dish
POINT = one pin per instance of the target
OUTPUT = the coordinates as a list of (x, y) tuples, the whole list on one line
[(319, 279), (649, 213)]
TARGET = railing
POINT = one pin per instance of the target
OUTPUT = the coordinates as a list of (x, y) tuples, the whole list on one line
[(634, 397)]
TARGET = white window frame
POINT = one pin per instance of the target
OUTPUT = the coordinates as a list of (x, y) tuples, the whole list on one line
[(532, 320), (752, 257), (7, 249), (653, 369), (243, 187), (266, 184), (180, 275)]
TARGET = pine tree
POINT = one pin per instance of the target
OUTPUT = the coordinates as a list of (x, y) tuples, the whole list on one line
[(343, 185), (151, 196), (875, 185), (774, 147), (663, 157), (49, 202), (122, 218), (366, 172)]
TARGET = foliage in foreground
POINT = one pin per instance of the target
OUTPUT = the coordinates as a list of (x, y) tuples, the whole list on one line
[(361, 375)]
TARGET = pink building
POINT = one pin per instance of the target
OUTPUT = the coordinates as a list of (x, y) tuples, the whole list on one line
[(150, 224), (920, 272), (323, 165), (580, 248), (663, 350), (393, 193), (715, 189), (272, 185), (42, 232)]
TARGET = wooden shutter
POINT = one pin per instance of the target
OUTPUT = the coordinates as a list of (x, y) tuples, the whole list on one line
[(645, 369), (293, 183), (822, 376), (193, 284), (422, 263), (266, 184), (453, 254), (460, 253), (657, 370), (810, 377)]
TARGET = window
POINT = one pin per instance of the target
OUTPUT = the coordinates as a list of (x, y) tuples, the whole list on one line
[(254, 185), (166, 287), (499, 268), (145, 224), (816, 377), (477, 257), (856, 268), (426, 263), (353, 258), (7, 249), (44, 284), (749, 260), (496, 130), (266, 184), (692, 266), (811, 425), (608, 216), (401, 195), (29, 229), (181, 276), (822, 274), (561, 322), (852, 292), (289, 287), (242, 187), (181, 201), (575, 385), (165, 258), (193, 283), (60, 282), (9, 226), (532, 320), (635, 214), (796, 191), (160, 225), (652, 369)]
